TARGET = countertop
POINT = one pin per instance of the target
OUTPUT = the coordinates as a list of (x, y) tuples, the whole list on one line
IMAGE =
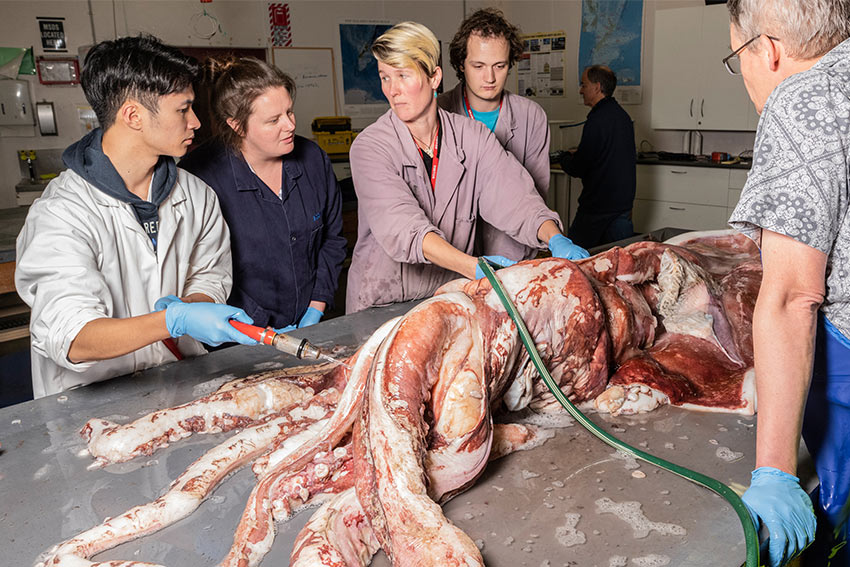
[(573, 501), (695, 163), (11, 222), (556, 167)]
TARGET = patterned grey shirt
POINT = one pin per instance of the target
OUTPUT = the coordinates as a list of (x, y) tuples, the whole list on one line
[(798, 185)]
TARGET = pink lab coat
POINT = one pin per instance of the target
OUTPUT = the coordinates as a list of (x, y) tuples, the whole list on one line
[(397, 208), (523, 130)]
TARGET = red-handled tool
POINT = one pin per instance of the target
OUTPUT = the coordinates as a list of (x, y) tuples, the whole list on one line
[(299, 348)]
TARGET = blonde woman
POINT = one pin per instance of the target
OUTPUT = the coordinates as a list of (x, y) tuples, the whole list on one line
[(425, 177)]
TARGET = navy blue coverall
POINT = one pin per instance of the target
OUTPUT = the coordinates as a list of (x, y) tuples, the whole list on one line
[(287, 250)]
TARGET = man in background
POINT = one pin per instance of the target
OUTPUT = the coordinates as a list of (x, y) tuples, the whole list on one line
[(605, 163)]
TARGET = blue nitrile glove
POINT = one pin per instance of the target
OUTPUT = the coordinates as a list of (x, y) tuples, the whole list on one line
[(206, 322), (164, 302), (285, 329), (310, 317), (563, 247), (500, 261), (775, 498)]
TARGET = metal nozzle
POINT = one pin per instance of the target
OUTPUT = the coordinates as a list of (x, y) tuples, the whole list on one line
[(299, 348)]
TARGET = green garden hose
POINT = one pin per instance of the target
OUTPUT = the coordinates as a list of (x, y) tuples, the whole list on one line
[(750, 535)]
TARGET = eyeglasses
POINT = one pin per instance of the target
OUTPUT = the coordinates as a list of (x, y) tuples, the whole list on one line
[(732, 62)]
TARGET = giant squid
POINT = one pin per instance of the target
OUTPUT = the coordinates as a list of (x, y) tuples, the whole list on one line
[(381, 442)]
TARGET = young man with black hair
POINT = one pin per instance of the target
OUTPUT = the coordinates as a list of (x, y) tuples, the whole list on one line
[(605, 161), (482, 52), (122, 227)]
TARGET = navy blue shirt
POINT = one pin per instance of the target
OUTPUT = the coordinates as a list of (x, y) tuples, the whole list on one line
[(605, 160), (288, 250)]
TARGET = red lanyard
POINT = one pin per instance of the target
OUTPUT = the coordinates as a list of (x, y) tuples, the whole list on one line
[(435, 160), (469, 110)]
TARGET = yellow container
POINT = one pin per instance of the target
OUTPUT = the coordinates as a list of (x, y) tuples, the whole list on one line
[(331, 124), (335, 142)]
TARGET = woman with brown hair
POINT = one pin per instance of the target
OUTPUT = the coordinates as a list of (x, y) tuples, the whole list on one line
[(278, 194)]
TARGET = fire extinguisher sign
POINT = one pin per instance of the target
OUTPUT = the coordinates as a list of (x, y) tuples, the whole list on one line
[(280, 25)]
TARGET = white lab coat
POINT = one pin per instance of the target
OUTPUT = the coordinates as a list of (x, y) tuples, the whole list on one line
[(82, 255)]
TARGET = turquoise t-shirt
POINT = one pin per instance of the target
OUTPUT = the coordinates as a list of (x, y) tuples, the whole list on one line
[(489, 119)]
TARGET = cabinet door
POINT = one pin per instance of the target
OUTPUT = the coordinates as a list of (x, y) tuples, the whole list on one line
[(15, 108), (675, 74), (723, 100), (650, 215), (682, 184)]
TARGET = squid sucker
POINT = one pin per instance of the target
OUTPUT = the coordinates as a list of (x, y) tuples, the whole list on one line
[(425, 403)]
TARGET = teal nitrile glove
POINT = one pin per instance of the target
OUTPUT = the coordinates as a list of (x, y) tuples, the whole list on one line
[(310, 317), (164, 302), (500, 261), (206, 322), (775, 498), (563, 247), (286, 329)]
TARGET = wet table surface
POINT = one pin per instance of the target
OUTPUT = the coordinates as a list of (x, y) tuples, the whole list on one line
[(572, 501)]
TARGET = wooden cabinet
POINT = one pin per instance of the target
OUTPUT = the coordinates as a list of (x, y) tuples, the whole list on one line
[(696, 198), (7, 277), (691, 89)]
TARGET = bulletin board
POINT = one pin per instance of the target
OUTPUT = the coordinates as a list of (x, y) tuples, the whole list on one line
[(540, 70), (312, 69)]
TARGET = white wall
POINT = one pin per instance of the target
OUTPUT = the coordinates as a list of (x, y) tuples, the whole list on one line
[(314, 24)]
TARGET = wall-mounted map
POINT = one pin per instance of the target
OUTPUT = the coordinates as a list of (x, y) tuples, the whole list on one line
[(611, 34), (360, 81)]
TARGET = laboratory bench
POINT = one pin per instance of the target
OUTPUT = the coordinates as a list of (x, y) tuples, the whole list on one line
[(572, 501)]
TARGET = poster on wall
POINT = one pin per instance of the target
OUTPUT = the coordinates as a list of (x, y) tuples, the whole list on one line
[(611, 34), (540, 71), (362, 96), (52, 34)]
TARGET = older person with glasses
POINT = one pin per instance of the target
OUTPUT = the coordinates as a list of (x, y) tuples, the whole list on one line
[(733, 61), (796, 206)]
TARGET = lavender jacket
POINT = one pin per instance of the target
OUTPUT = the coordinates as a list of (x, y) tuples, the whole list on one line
[(523, 130), (397, 208)]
